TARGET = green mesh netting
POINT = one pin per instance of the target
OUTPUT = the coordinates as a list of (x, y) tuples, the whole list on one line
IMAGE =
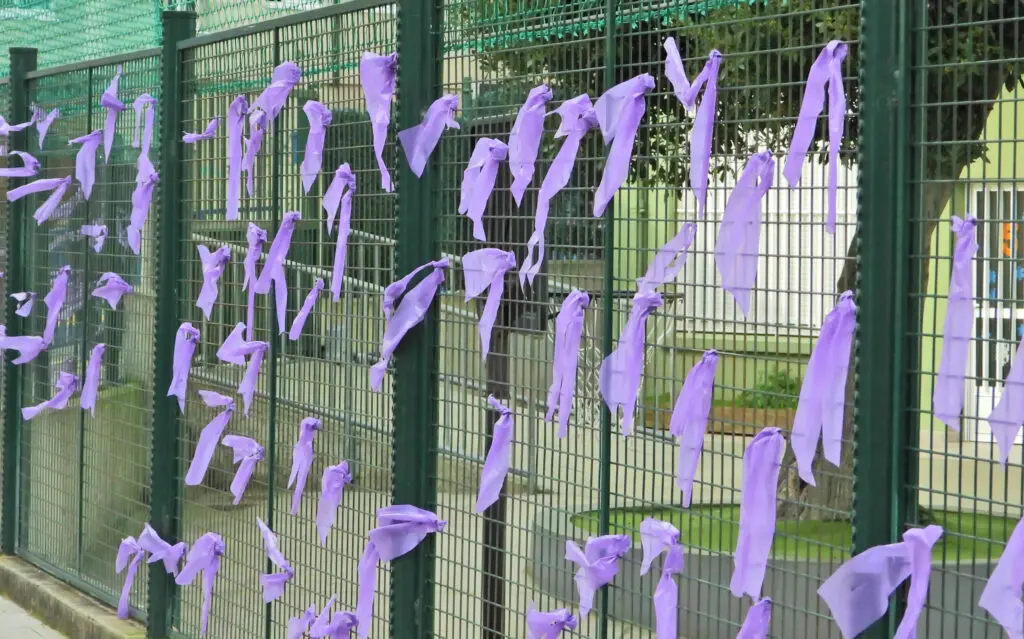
[(70, 31)]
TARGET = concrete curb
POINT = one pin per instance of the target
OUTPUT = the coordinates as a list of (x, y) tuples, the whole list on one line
[(60, 606)]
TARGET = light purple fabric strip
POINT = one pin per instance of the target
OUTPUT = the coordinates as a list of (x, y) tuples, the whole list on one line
[(54, 300), (597, 564), (30, 166), (822, 404), (302, 459), (319, 117), (236, 124), (1001, 596), (619, 112), (247, 452), (338, 199), (332, 485), (948, 394), (67, 384), (210, 436), (203, 557), (112, 288), (85, 160), (690, 420), (669, 260), (185, 342), (524, 140), (114, 106), (827, 71), (419, 142), (43, 121), (499, 457), (621, 371), (98, 233), (377, 76), (568, 335), (208, 134), (307, 307), (484, 270), (548, 625), (478, 181)]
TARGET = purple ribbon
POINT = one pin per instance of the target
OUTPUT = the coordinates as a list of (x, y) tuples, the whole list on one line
[(1006, 418), (619, 112), (827, 70), (253, 144), (307, 307), (597, 564), (621, 371), (736, 251), (332, 484), (209, 436), (185, 342), (213, 266), (400, 528), (274, 583), (28, 346), (948, 396), (273, 269), (43, 121), (524, 140), (112, 288), (302, 459), (337, 626), (208, 134), (25, 303), (578, 118), (285, 78), (257, 237), (54, 300), (145, 182), (234, 350), (30, 166), (499, 457), (113, 106), (339, 198), (319, 118), (858, 593), (548, 625), (758, 622), (704, 122), (98, 233), (819, 412), (67, 384), (1001, 596), (377, 75), (669, 260), (478, 181), (298, 626), (484, 269), (236, 123), (57, 186), (85, 160), (247, 452), (129, 555), (657, 537), (93, 372), (204, 557), (6, 129), (410, 312), (145, 103), (160, 550), (761, 463), (690, 420), (568, 334), (419, 141)]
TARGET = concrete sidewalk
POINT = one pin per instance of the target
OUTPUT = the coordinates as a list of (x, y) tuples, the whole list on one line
[(18, 624)]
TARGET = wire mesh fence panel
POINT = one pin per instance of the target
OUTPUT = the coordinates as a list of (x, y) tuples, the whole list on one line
[(963, 454), (320, 374), (596, 481), (51, 443)]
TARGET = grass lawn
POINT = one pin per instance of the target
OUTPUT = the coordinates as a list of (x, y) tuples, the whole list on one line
[(968, 536)]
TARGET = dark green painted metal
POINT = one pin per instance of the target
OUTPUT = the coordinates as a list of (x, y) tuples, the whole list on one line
[(415, 377), (92, 64), (22, 62), (881, 362), (166, 422), (608, 310)]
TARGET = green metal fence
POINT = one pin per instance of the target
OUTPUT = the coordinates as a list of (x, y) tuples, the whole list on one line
[(932, 109)]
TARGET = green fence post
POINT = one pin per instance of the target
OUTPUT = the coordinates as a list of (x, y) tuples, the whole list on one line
[(415, 381), (177, 26), (882, 365), (22, 62)]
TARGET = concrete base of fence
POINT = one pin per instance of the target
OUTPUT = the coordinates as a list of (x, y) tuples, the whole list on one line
[(707, 610), (63, 608)]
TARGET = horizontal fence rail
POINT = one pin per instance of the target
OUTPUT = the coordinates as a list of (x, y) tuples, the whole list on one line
[(929, 134)]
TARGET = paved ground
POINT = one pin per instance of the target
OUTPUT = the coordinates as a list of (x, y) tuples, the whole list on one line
[(15, 623)]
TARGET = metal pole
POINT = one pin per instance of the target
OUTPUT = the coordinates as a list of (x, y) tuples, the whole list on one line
[(492, 595)]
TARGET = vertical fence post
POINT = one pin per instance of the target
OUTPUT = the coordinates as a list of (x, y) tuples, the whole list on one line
[(177, 26), (22, 61), (881, 363), (415, 381)]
